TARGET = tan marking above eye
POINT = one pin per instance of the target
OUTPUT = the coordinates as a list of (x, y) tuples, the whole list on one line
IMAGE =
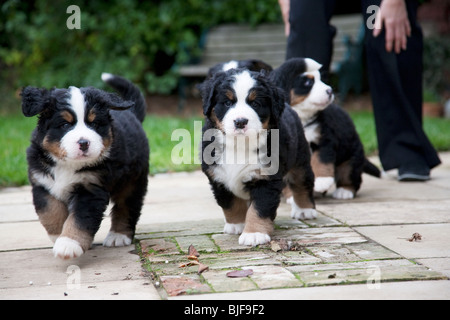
[(252, 95), (66, 115), (230, 95), (91, 116)]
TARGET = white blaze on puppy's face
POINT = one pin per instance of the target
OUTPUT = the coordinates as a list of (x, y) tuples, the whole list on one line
[(81, 143), (230, 65), (241, 110)]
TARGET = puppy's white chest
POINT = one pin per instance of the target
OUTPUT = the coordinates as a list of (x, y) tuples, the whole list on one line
[(312, 133), (61, 182), (237, 166), (234, 177)]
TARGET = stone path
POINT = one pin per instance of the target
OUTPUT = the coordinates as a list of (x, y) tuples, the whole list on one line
[(354, 250)]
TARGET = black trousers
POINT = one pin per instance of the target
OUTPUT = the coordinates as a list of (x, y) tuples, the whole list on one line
[(395, 79)]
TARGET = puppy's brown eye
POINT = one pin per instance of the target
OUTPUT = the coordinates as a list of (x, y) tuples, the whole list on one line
[(308, 82), (65, 125), (228, 103), (93, 125)]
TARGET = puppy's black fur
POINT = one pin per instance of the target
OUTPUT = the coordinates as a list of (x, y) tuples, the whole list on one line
[(72, 183), (251, 64), (248, 198)]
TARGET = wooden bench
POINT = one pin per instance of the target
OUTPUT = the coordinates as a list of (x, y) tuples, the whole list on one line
[(266, 42)]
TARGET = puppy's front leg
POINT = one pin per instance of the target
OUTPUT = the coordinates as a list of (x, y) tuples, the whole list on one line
[(261, 214), (324, 172), (52, 212), (85, 215)]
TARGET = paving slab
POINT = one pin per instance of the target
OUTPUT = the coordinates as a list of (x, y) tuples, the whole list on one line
[(434, 244), (441, 264), (408, 290), (101, 273)]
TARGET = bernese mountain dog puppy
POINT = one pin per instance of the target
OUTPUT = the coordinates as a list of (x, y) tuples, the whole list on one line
[(89, 147), (337, 152), (251, 64), (253, 143)]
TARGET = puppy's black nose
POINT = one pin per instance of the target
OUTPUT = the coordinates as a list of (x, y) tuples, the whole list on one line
[(240, 123), (84, 144)]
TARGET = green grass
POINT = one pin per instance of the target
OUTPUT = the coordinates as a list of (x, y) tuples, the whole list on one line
[(159, 132), (365, 126), (15, 131), (437, 130)]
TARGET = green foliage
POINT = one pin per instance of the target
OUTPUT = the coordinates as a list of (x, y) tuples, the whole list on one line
[(436, 74), (141, 40)]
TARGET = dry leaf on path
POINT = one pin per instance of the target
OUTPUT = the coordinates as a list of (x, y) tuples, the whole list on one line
[(189, 264), (240, 273), (415, 237), (192, 251), (202, 268)]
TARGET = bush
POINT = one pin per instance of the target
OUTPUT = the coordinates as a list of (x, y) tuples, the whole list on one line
[(141, 40), (436, 63)]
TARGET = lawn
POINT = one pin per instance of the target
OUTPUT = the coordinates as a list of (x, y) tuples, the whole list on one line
[(15, 131)]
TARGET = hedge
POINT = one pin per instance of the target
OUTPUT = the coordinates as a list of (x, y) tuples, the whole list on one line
[(141, 40)]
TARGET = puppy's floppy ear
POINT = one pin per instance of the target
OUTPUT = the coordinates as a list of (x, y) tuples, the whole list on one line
[(109, 100), (34, 100), (208, 91), (277, 98)]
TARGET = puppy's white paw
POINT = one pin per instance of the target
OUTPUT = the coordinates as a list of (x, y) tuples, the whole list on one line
[(233, 228), (290, 200), (323, 184), (114, 239), (66, 248), (253, 239), (343, 194), (302, 214)]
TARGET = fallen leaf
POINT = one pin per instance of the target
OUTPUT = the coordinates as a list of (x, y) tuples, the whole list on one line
[(202, 268), (415, 237), (192, 251), (275, 246), (193, 258), (189, 264), (240, 273)]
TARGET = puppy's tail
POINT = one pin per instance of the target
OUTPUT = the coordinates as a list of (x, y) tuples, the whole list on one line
[(129, 92), (371, 169), (284, 75)]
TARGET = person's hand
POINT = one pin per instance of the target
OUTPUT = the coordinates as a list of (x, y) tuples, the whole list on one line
[(394, 16), (285, 6)]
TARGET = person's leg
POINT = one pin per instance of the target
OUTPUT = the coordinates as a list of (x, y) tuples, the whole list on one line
[(396, 87), (311, 35)]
